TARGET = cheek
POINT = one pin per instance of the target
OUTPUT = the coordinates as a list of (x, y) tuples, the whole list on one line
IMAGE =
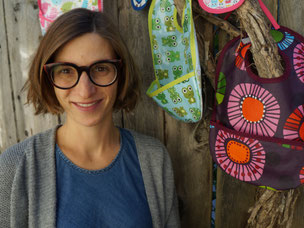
[(111, 91), (60, 95)]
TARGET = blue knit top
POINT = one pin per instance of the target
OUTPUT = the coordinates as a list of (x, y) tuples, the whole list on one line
[(111, 197)]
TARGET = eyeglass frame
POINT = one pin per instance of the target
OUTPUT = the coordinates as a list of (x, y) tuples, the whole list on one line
[(48, 67)]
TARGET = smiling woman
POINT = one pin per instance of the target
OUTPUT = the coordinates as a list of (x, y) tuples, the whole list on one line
[(87, 172)]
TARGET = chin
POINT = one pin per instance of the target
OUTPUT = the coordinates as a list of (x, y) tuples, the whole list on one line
[(91, 123)]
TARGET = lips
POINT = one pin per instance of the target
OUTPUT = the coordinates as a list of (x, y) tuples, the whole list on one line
[(87, 106)]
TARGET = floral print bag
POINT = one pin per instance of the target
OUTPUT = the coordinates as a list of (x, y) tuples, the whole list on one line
[(49, 10), (257, 128)]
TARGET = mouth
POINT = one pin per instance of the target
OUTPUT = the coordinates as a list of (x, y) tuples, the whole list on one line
[(87, 106)]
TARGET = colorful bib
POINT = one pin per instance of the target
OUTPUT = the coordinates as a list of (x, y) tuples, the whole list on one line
[(139, 4), (177, 87), (49, 10), (257, 128), (220, 6)]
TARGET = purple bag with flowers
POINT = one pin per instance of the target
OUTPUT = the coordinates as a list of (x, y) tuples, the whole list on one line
[(257, 128)]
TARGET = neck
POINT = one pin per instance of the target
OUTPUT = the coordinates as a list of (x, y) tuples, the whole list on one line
[(88, 141)]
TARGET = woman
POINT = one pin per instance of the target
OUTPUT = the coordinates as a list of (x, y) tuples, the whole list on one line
[(87, 172)]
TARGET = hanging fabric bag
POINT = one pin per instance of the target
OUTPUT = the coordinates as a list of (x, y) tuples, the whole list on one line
[(177, 84), (49, 10), (220, 6), (139, 4), (257, 127)]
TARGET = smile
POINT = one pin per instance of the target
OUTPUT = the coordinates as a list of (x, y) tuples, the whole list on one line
[(86, 105)]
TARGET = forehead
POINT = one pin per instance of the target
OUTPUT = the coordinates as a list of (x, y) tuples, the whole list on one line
[(85, 49)]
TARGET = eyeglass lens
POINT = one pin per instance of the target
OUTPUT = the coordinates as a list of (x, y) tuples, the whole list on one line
[(66, 76)]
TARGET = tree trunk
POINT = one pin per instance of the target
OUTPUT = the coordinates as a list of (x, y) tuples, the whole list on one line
[(264, 50)]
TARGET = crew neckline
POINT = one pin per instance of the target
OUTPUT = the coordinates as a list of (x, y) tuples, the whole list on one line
[(87, 171)]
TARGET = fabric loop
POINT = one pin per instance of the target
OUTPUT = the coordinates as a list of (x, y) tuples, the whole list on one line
[(269, 15)]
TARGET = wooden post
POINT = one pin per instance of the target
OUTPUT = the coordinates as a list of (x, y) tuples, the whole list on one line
[(23, 34)]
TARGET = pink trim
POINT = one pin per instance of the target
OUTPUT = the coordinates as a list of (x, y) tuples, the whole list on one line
[(219, 11), (269, 15), (219, 126), (100, 5)]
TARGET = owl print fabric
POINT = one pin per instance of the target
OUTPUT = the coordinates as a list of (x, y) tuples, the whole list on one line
[(49, 10), (177, 84), (257, 128), (220, 6)]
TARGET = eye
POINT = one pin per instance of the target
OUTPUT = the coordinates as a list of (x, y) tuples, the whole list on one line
[(157, 20), (159, 61), (169, 59), (158, 26), (158, 55), (162, 9), (186, 17), (184, 41), (167, 53), (174, 68), (166, 18), (189, 88), (174, 44), (179, 99), (180, 68), (173, 37), (184, 90), (155, 46), (172, 18), (191, 110), (168, 8), (102, 68), (63, 70), (174, 101)]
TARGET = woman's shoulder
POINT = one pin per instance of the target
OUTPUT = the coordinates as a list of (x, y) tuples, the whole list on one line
[(146, 141), (149, 149), (14, 154)]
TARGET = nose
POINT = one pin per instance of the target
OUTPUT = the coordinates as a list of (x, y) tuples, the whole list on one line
[(85, 87)]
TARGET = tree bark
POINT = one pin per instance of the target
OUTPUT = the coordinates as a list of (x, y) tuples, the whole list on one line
[(264, 50)]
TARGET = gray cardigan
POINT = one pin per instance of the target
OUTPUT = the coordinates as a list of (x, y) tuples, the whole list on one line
[(28, 182)]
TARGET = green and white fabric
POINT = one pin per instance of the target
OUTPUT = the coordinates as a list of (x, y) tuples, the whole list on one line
[(177, 84)]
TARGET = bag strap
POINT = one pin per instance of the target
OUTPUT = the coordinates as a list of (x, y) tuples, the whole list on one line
[(269, 15)]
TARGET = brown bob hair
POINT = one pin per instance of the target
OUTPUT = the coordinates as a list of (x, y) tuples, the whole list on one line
[(65, 28)]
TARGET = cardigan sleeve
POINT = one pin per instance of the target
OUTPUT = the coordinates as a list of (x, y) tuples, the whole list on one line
[(9, 160), (158, 178), (173, 219)]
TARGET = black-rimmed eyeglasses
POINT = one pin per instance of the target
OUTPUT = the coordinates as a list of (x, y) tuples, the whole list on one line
[(66, 75)]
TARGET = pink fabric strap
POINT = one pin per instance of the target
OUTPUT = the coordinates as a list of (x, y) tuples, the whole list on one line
[(100, 5), (269, 15)]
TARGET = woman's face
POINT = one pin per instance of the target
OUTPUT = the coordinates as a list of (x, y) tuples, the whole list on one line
[(87, 104)]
